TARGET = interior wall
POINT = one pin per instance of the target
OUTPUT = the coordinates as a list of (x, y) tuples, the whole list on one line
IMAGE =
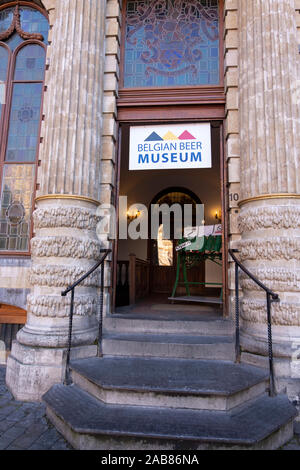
[(142, 186)]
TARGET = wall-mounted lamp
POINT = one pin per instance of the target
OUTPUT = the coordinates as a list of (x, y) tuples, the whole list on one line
[(218, 216), (133, 215)]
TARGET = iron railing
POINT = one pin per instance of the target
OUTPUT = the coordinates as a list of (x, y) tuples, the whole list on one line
[(271, 297), (71, 289)]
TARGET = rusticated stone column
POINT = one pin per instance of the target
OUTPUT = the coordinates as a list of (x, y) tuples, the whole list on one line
[(270, 178), (65, 245)]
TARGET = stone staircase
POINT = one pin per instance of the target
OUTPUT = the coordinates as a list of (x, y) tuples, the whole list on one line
[(168, 385)]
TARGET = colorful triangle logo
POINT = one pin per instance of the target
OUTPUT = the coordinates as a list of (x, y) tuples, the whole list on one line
[(186, 136), (170, 136), (153, 137)]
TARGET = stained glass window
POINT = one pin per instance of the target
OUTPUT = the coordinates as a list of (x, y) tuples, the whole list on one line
[(171, 43), (3, 75), (6, 17), (21, 123), (32, 21), (16, 202), (30, 63), (24, 122)]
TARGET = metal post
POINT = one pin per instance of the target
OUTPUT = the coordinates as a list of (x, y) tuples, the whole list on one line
[(101, 311), (68, 380), (272, 391), (237, 316)]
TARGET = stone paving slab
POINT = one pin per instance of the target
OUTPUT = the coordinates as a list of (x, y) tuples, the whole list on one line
[(24, 426)]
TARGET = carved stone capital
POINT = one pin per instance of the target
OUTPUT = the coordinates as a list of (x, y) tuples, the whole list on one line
[(269, 217), (274, 248), (283, 313), (70, 247), (56, 306), (277, 279), (72, 217), (61, 276)]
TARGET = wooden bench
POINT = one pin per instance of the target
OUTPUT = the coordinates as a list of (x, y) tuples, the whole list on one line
[(12, 315), (12, 319)]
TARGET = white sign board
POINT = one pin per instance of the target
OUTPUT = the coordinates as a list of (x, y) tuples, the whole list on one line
[(203, 230), (183, 245), (170, 147)]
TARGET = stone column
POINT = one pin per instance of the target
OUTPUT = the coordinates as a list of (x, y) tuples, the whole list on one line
[(65, 245), (270, 178)]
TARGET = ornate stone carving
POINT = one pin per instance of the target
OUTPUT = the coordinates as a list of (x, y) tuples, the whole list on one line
[(61, 276), (70, 247), (283, 314), (269, 217), (56, 306), (73, 217), (277, 279), (270, 249)]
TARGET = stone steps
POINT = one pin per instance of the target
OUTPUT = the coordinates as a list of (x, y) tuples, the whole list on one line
[(168, 324), (166, 385), (206, 385), (88, 423), (169, 345)]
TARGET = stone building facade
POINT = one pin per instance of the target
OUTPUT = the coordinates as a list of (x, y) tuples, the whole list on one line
[(78, 171)]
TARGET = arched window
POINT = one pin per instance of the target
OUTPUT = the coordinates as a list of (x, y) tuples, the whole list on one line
[(23, 39)]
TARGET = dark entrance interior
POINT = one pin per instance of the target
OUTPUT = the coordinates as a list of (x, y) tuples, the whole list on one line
[(162, 252), (145, 270)]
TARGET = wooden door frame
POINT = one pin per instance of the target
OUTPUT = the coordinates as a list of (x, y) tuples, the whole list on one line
[(219, 117), (174, 105)]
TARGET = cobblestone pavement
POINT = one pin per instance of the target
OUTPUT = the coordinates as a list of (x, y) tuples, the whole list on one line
[(24, 426)]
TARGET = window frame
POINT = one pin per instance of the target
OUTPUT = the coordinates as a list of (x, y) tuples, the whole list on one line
[(6, 113), (186, 94)]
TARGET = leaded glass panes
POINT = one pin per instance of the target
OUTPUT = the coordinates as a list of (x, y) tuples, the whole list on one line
[(171, 43), (6, 17), (3, 63), (24, 122), (32, 21), (3, 75), (16, 203), (30, 63), (21, 123), (14, 41)]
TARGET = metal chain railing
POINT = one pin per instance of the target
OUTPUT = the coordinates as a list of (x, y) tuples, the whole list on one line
[(271, 297), (71, 289)]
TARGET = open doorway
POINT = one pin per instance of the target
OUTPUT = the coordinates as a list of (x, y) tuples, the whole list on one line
[(146, 269), (162, 252)]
